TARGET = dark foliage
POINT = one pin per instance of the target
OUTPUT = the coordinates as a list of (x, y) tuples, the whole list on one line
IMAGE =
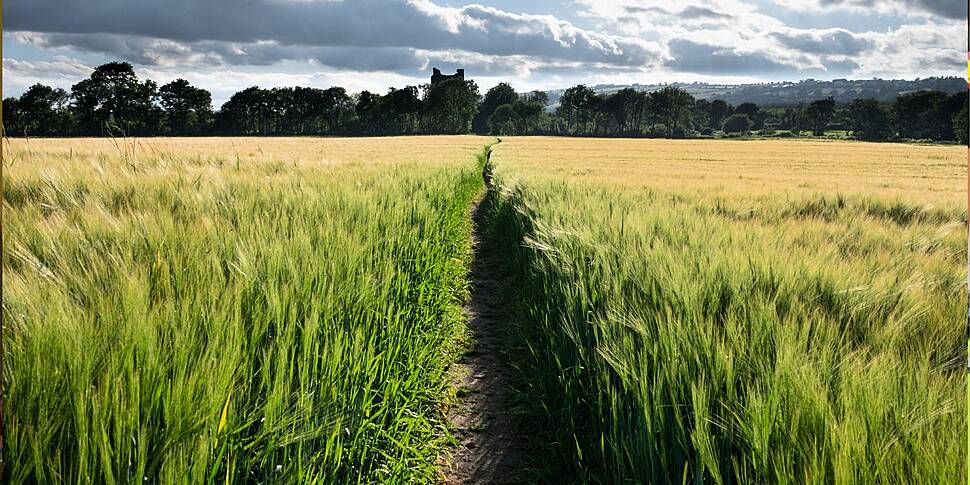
[(738, 123), (869, 120), (114, 101)]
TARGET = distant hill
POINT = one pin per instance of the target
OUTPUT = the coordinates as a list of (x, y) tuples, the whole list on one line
[(793, 93)]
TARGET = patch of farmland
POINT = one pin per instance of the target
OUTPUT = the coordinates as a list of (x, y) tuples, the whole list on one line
[(231, 310), (735, 311)]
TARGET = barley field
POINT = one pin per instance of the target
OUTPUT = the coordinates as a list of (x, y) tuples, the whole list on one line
[(232, 310), (286, 310), (736, 311)]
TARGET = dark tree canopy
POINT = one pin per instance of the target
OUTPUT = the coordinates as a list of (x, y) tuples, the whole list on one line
[(501, 93), (40, 111), (527, 114), (869, 120), (450, 105), (738, 123), (719, 111), (672, 106), (819, 113), (917, 114), (113, 101), (960, 122), (575, 108), (188, 109)]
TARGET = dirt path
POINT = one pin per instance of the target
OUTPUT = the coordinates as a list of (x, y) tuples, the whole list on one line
[(489, 450)]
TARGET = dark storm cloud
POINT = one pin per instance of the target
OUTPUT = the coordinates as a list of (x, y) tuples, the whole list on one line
[(838, 42), (223, 27), (636, 9), (944, 62), (689, 56), (156, 52), (953, 9), (846, 66), (688, 13), (160, 52), (702, 13)]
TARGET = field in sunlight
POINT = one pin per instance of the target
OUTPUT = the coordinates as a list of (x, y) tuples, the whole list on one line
[(231, 310), (738, 311), (285, 310)]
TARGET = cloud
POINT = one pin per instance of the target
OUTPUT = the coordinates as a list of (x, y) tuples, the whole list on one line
[(338, 33), (62, 72), (952, 9), (609, 40), (692, 12), (839, 66), (917, 49), (947, 9), (836, 41), (691, 56)]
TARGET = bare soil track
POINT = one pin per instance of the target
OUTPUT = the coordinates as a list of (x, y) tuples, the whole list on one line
[(489, 450)]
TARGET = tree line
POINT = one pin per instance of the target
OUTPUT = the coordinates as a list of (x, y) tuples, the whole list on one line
[(113, 101)]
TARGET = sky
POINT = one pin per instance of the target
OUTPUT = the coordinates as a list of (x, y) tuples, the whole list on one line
[(227, 45)]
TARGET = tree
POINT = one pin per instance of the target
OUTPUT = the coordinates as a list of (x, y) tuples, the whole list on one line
[(113, 98), (960, 124), (307, 113), (525, 115), (919, 115), (498, 95), (14, 122), (752, 111), (673, 107), (338, 109), (400, 110), (538, 97), (366, 110), (945, 110), (503, 120), (625, 108), (749, 109), (450, 105), (188, 109), (819, 113), (719, 111), (43, 111), (280, 114), (531, 113), (738, 123), (702, 114), (791, 119), (246, 112), (575, 107), (869, 120)]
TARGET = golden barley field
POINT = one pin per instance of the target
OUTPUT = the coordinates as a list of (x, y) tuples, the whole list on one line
[(923, 174)]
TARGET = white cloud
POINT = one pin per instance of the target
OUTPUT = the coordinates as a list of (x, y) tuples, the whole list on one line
[(60, 72), (284, 42)]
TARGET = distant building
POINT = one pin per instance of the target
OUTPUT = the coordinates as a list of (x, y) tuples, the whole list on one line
[(437, 76)]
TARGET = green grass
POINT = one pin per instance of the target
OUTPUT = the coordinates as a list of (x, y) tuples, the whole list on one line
[(674, 336), (179, 320)]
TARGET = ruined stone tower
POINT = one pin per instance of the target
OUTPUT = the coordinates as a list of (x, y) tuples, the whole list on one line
[(437, 76)]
